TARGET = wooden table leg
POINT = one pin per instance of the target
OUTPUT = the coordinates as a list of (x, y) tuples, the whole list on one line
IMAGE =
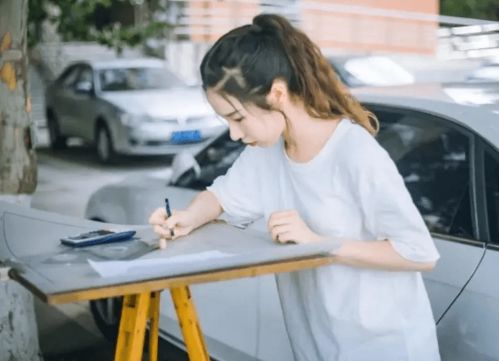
[(154, 326), (132, 327), (187, 317)]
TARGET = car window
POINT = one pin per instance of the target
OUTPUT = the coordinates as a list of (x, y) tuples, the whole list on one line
[(86, 75), (213, 161), (137, 78), (68, 78), (433, 157), (491, 164)]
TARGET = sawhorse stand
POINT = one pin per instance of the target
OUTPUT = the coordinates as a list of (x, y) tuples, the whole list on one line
[(139, 308)]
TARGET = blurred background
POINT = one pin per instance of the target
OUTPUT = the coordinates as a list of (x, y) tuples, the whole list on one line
[(373, 42)]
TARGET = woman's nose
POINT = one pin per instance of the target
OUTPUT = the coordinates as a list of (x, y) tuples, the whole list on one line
[(234, 132)]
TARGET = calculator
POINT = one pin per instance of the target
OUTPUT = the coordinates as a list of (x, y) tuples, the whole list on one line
[(98, 236)]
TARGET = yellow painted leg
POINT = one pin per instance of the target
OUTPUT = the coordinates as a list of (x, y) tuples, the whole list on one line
[(132, 327), (186, 313), (154, 326)]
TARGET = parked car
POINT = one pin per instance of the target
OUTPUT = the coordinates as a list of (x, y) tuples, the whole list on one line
[(128, 106), (448, 154), (369, 70)]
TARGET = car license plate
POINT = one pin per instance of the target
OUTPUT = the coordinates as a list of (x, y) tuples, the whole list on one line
[(186, 136)]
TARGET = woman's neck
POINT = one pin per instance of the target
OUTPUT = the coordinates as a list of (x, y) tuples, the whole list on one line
[(304, 135)]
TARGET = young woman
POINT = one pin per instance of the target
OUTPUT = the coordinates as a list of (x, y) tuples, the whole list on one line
[(313, 169)]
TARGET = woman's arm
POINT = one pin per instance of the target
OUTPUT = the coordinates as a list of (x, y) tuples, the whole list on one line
[(204, 208), (379, 255), (288, 226)]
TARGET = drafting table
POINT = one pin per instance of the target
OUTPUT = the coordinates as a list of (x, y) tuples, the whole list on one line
[(29, 243)]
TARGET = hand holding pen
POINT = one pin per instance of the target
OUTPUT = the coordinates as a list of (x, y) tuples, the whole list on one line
[(170, 225)]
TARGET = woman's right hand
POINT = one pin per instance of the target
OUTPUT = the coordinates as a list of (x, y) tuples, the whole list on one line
[(179, 224)]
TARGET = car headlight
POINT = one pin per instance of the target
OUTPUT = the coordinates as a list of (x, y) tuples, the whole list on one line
[(134, 120)]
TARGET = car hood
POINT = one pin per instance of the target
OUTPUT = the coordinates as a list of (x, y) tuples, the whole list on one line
[(160, 103), (132, 200)]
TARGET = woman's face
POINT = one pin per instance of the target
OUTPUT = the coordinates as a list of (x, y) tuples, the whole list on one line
[(250, 124)]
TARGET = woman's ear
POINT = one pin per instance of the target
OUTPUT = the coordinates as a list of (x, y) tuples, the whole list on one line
[(278, 94)]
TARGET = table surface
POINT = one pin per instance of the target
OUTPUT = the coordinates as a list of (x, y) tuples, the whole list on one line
[(29, 239)]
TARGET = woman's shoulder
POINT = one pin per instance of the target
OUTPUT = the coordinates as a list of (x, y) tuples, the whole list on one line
[(360, 150)]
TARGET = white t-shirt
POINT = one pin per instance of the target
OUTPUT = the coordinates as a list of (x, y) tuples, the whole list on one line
[(351, 189)]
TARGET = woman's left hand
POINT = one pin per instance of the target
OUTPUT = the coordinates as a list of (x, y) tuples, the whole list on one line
[(289, 227)]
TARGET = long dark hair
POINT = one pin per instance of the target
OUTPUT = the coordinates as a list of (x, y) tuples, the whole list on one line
[(244, 63)]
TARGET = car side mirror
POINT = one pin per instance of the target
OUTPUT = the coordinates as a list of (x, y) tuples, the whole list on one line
[(83, 87), (182, 163)]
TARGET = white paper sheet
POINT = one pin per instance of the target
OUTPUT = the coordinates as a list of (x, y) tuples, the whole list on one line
[(118, 268)]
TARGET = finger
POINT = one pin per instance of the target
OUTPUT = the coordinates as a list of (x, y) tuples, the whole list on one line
[(161, 231), (283, 237), (286, 238), (283, 217), (171, 222), (278, 231), (172, 232), (162, 243), (274, 222)]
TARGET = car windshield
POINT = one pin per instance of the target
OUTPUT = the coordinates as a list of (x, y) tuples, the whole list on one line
[(214, 160), (137, 78)]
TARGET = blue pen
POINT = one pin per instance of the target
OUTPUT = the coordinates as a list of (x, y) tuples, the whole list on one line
[(169, 214)]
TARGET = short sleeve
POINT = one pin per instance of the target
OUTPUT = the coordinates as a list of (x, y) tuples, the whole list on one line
[(237, 190), (389, 210)]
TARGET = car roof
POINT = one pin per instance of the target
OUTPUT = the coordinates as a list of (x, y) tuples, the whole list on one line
[(473, 106), (124, 63)]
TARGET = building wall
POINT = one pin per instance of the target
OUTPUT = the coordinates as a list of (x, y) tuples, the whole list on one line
[(407, 26), (210, 19), (372, 25)]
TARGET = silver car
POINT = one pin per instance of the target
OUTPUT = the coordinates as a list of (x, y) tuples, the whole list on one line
[(128, 106), (445, 142)]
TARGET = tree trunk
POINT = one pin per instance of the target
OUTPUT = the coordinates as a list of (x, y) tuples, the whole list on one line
[(18, 331), (17, 156)]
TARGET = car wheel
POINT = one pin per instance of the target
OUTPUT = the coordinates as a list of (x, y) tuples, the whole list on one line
[(56, 140), (107, 314), (104, 143)]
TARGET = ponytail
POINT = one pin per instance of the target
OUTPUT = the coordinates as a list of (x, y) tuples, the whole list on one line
[(245, 62)]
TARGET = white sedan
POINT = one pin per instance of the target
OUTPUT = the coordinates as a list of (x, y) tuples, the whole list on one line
[(445, 142)]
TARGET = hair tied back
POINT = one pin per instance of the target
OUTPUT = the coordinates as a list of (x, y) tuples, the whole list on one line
[(268, 23)]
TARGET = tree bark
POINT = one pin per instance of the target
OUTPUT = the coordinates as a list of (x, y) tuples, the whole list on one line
[(18, 331), (17, 156)]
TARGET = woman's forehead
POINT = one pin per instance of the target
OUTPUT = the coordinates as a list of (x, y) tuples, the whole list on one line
[(223, 104)]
